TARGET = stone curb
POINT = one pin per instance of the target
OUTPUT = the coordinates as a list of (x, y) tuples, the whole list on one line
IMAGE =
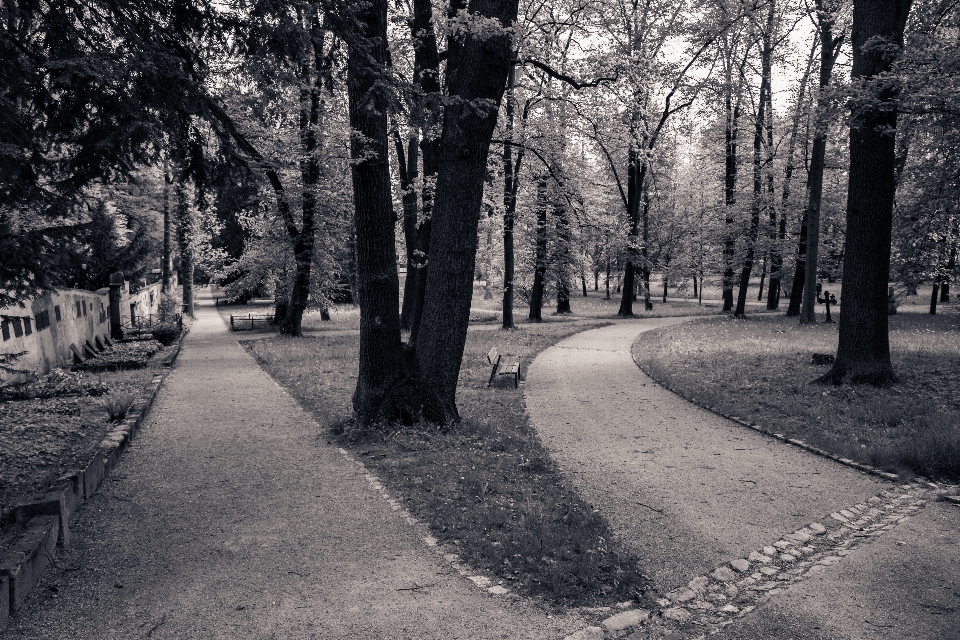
[(892, 477), (731, 591), (46, 517)]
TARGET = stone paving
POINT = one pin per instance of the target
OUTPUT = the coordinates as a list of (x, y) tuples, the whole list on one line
[(711, 602)]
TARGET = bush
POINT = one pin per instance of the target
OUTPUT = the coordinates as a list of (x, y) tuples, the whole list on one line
[(118, 406), (166, 333)]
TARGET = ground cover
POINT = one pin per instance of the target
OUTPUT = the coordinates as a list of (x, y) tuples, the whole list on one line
[(487, 488), (42, 438), (761, 370)]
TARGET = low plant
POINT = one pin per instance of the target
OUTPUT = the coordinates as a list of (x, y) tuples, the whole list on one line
[(57, 383), (166, 333), (118, 405)]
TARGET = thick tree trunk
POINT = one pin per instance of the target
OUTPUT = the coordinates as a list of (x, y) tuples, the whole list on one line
[(476, 77), (863, 350), (377, 282), (829, 49), (934, 297)]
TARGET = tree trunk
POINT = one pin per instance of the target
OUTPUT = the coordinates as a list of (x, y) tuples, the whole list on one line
[(185, 238), (644, 250), (511, 182), (934, 297), (476, 77), (730, 194), (796, 289), (166, 261), (863, 349), (540, 253), (763, 277), (377, 282), (757, 203), (829, 49), (633, 209), (607, 296), (427, 76), (775, 261)]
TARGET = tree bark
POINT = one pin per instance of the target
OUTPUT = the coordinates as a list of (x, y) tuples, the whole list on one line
[(378, 285), (511, 183), (477, 68), (427, 76), (540, 252), (633, 210), (166, 261), (185, 238), (757, 203), (863, 349), (829, 49), (730, 194)]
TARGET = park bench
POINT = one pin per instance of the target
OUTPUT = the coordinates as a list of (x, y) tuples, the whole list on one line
[(504, 365), (250, 322)]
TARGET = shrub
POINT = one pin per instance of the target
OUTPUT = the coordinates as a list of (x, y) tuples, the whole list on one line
[(166, 333), (119, 405)]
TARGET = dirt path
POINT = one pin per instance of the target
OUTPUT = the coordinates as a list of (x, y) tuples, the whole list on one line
[(689, 491), (232, 516)]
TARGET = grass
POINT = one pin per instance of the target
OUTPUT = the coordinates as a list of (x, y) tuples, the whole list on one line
[(487, 487), (760, 370)]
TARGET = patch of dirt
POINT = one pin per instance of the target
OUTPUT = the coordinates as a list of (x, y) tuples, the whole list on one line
[(42, 439)]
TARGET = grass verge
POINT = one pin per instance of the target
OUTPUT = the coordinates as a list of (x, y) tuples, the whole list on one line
[(487, 488), (761, 371)]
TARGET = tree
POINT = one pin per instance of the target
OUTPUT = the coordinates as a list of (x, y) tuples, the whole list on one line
[(863, 350), (829, 50)]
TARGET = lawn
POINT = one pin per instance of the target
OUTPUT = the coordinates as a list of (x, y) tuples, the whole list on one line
[(761, 370), (487, 488)]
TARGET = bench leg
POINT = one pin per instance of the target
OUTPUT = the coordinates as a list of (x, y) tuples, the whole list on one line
[(493, 374)]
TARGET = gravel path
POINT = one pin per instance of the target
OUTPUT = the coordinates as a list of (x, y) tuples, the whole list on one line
[(685, 489), (232, 516)]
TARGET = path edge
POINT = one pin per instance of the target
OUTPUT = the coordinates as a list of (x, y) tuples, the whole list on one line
[(46, 517), (796, 442)]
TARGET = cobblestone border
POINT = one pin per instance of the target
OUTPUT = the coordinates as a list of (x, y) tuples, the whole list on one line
[(731, 591), (46, 518)]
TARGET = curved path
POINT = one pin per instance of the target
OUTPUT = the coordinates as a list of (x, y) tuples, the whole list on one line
[(688, 491), (231, 516)]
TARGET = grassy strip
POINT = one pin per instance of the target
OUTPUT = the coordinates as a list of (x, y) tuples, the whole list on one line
[(487, 487), (761, 369)]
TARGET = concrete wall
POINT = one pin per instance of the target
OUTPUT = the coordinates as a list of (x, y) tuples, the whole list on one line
[(82, 317)]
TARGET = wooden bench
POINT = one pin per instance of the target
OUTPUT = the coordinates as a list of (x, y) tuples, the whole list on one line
[(504, 365)]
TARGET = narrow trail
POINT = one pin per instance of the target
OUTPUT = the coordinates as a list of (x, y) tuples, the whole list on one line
[(231, 516)]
